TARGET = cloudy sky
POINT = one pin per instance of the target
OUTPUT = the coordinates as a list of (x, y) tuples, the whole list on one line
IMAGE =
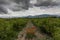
[(19, 8)]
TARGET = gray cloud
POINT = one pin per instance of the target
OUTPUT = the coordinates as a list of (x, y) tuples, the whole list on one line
[(47, 3), (3, 10), (17, 5)]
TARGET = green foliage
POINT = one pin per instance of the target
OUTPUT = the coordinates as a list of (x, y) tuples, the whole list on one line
[(51, 26), (9, 28)]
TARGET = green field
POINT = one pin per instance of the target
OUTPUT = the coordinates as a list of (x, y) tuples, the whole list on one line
[(9, 28)]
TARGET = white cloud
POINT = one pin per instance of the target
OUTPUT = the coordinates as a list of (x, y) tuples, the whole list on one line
[(32, 11)]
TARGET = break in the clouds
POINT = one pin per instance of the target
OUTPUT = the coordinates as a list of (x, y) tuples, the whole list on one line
[(28, 7)]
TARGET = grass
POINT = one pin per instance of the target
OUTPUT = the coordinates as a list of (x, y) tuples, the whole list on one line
[(9, 28)]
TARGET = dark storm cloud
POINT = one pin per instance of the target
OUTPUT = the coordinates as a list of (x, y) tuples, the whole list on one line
[(3, 10), (17, 5), (22, 4), (47, 3)]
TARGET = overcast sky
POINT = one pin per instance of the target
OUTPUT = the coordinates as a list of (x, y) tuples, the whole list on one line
[(10, 5)]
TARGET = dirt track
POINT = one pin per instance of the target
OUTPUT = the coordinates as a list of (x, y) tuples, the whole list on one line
[(39, 35)]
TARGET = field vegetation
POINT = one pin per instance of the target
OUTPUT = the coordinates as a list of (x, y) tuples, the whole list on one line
[(9, 28)]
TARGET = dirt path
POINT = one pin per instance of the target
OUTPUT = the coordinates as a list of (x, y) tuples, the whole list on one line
[(39, 35)]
